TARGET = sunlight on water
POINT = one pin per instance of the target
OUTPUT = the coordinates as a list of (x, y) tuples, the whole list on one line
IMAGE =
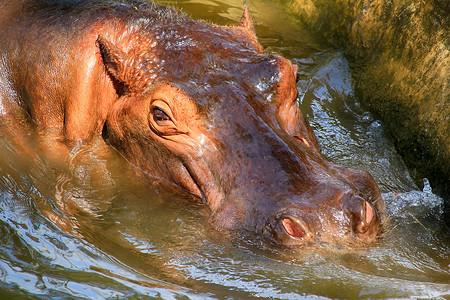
[(133, 239), (38, 259)]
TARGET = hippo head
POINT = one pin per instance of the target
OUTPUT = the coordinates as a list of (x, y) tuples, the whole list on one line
[(204, 108)]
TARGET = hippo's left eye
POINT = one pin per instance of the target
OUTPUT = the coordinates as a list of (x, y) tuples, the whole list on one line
[(161, 119), (159, 115)]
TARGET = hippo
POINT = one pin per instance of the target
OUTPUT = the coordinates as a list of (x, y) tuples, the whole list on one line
[(200, 106)]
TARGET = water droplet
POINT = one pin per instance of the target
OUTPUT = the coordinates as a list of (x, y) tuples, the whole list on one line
[(427, 186), (376, 124)]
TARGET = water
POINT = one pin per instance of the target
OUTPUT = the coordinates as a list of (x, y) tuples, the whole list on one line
[(131, 239)]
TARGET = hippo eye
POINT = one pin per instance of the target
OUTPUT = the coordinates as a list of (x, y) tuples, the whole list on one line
[(159, 115), (161, 119)]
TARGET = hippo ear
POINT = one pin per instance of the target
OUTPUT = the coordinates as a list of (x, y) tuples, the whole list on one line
[(248, 27), (116, 63), (247, 21)]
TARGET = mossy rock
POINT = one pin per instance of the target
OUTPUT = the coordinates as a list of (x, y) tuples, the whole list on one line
[(400, 56)]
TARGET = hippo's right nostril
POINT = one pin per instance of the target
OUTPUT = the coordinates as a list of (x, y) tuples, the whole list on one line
[(297, 229), (369, 213), (364, 218)]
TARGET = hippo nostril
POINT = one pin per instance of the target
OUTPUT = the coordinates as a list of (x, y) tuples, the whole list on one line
[(362, 213), (297, 229), (369, 212), (365, 217), (293, 229)]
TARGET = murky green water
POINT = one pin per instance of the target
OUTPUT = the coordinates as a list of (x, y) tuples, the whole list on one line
[(142, 240)]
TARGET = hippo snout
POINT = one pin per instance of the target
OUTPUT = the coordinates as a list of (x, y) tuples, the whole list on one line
[(352, 219)]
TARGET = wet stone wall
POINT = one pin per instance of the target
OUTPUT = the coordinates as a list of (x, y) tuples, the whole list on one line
[(400, 57)]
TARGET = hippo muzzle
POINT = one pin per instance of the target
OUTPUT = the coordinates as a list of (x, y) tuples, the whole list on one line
[(286, 192), (352, 220)]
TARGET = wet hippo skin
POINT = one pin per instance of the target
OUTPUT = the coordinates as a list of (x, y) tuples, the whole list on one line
[(198, 105)]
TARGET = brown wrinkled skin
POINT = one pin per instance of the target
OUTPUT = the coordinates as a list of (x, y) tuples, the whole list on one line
[(198, 105)]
